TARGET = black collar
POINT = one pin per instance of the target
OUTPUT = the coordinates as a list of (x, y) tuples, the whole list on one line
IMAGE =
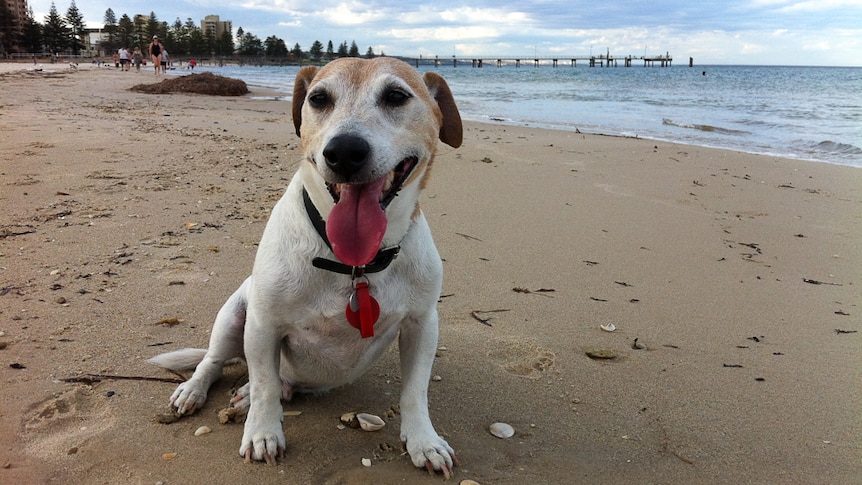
[(380, 262)]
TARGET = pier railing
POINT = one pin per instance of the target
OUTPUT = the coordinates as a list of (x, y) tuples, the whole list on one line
[(607, 60)]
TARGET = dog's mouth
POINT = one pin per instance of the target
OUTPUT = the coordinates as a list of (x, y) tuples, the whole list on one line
[(394, 180), (356, 225)]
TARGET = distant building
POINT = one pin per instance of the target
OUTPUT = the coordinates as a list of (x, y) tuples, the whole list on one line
[(18, 8), (19, 12), (211, 25)]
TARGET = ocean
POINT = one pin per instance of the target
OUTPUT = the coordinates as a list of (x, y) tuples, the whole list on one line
[(810, 113)]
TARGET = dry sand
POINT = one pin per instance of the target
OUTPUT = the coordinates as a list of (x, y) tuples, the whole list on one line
[(127, 219)]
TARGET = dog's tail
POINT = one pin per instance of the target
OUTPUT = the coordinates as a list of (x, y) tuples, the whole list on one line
[(184, 359)]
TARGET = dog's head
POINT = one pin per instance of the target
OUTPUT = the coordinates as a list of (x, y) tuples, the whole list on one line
[(369, 131)]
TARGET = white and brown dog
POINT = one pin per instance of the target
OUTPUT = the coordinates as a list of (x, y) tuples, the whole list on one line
[(327, 294)]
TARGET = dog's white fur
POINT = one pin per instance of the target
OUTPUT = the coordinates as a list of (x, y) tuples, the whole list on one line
[(287, 319)]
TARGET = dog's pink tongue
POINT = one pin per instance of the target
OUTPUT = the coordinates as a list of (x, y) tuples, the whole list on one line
[(356, 225)]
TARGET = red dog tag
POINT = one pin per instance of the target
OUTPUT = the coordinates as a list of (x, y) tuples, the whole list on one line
[(362, 310)]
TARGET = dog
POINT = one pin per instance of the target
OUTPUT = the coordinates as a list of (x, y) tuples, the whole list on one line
[(346, 263)]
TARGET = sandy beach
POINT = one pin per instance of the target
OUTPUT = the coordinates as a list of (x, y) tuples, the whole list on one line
[(127, 219)]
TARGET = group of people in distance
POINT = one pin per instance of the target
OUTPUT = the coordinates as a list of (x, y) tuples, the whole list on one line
[(157, 51), (126, 59), (159, 55)]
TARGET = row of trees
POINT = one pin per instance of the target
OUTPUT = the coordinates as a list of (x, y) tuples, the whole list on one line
[(65, 34), (58, 33)]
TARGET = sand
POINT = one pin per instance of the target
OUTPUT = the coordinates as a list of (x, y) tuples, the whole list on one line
[(127, 219)]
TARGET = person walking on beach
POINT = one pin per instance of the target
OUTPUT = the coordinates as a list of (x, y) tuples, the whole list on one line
[(137, 58), (156, 53), (124, 58), (164, 60)]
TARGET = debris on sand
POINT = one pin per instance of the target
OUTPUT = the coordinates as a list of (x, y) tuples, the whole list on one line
[(204, 83)]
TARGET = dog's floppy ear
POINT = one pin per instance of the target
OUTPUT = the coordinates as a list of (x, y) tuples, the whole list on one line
[(300, 89), (451, 131)]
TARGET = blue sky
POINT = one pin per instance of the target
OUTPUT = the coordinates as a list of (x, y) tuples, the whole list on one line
[(765, 32)]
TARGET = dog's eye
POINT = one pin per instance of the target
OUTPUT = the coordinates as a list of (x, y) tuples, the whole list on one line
[(396, 97), (318, 100)]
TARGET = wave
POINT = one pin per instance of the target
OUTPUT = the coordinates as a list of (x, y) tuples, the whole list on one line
[(708, 128), (829, 146)]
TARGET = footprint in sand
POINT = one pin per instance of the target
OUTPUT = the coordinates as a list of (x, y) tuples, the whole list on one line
[(523, 358), (71, 417)]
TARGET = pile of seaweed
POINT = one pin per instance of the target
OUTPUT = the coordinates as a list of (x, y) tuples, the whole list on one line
[(204, 83)]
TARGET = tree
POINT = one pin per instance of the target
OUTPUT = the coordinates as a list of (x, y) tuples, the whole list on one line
[(125, 32), (180, 37), (55, 32), (275, 47), (224, 44), (111, 29), (342, 49), (316, 50), (152, 26), (251, 45), (370, 53), (140, 34), (330, 54), (75, 21), (31, 37), (197, 43), (240, 38), (297, 52)]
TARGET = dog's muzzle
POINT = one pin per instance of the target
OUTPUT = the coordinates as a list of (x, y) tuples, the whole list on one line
[(346, 155)]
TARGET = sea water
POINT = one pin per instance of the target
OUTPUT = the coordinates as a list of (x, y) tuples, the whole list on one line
[(811, 113)]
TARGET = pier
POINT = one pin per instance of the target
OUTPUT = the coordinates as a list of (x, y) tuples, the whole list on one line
[(606, 60)]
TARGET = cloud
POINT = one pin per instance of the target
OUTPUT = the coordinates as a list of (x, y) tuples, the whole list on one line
[(821, 6), (445, 34)]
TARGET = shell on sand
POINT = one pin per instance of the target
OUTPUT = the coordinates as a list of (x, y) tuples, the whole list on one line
[(502, 430), (370, 422)]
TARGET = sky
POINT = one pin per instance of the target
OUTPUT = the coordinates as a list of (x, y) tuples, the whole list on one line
[(753, 32)]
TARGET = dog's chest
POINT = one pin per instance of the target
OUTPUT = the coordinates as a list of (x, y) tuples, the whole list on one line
[(322, 352)]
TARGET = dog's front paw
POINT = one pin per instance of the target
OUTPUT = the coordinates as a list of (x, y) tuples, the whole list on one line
[(188, 397), (432, 453), (241, 399), (262, 442)]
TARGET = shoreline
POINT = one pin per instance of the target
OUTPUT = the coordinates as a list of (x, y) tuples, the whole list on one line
[(129, 218), (279, 94)]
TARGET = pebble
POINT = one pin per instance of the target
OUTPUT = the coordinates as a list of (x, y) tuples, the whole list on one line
[(601, 354), (366, 462), (168, 418), (610, 327), (468, 482), (202, 430), (502, 430), (436, 378), (169, 456)]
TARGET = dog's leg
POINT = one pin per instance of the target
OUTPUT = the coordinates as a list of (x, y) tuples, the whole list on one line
[(417, 345), (263, 436), (225, 344), (242, 402)]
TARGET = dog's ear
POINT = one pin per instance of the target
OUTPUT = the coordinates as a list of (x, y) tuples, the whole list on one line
[(451, 131), (300, 89)]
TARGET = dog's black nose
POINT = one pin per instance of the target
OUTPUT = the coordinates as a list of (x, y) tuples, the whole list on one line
[(346, 154)]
